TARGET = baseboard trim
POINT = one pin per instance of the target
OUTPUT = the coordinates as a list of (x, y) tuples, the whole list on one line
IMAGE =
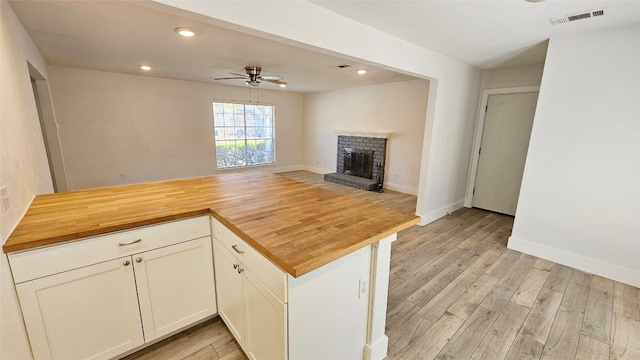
[(316, 170), (377, 350), (280, 169), (435, 215), (401, 188), (594, 266)]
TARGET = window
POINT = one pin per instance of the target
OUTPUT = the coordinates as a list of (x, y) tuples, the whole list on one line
[(244, 134)]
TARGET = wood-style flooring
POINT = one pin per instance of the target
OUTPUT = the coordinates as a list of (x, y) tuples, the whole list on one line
[(457, 292)]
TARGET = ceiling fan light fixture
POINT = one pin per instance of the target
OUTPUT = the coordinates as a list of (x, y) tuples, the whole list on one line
[(253, 83), (185, 31), (534, 1)]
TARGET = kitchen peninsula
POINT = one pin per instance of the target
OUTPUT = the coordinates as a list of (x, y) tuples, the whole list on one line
[(318, 259)]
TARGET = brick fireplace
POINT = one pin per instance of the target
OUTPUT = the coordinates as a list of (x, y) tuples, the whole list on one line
[(360, 161)]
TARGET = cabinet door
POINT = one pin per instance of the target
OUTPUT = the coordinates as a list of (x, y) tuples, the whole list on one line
[(175, 286), (266, 321), (87, 313), (229, 290)]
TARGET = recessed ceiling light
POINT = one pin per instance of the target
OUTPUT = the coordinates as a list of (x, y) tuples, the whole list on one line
[(362, 71), (145, 67), (283, 85), (185, 31)]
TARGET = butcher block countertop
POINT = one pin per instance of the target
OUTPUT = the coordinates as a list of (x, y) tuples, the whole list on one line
[(298, 226)]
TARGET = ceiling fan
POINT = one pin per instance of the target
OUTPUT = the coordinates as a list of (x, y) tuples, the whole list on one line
[(253, 77)]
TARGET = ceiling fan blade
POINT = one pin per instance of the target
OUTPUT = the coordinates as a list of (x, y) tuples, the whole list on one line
[(279, 82), (243, 75), (272, 77), (232, 78)]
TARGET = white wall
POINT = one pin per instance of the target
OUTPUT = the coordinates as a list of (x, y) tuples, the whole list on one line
[(513, 76), (580, 200), (23, 163), (152, 128), (398, 108), (453, 92)]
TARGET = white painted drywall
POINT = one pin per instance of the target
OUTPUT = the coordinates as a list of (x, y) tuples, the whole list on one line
[(398, 108), (513, 76), (580, 200), (23, 162), (153, 129), (452, 99), (328, 307)]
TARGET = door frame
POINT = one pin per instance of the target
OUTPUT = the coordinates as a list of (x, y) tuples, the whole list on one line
[(477, 139), (50, 130)]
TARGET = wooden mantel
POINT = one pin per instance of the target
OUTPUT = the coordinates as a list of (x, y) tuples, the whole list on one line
[(298, 226)]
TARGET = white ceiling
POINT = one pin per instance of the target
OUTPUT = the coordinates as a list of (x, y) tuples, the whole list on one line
[(482, 33), (119, 36)]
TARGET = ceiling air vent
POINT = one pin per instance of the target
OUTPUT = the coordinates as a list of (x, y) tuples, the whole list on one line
[(343, 66), (575, 17)]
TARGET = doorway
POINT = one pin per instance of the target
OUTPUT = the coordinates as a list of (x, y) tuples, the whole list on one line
[(49, 129), (502, 144)]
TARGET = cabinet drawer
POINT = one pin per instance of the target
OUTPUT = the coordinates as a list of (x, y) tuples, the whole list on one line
[(271, 275), (35, 263)]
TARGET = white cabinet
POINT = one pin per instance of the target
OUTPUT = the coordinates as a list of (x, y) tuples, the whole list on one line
[(253, 312), (87, 313), (175, 286), (266, 321), (162, 282), (337, 311), (229, 288)]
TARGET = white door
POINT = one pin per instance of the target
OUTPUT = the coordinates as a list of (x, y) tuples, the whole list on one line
[(229, 290), (266, 321), (175, 286), (87, 313), (505, 140)]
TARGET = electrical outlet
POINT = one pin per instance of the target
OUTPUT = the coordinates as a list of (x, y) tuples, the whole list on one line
[(363, 287), (4, 194)]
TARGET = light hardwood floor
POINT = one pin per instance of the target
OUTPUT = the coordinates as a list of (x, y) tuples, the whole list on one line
[(457, 292)]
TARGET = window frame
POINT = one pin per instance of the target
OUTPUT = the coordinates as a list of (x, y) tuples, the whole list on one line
[(244, 138)]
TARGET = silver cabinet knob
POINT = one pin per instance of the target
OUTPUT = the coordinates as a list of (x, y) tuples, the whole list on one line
[(126, 263), (138, 259)]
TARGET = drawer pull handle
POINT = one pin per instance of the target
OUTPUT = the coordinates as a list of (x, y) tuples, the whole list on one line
[(235, 247), (130, 242), (235, 266), (240, 270)]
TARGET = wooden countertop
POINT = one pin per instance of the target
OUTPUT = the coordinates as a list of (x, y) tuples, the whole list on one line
[(298, 226)]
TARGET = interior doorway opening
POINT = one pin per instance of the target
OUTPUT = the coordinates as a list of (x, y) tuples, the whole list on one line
[(500, 148), (49, 129)]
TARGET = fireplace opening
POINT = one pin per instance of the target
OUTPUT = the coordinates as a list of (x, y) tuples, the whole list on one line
[(358, 162)]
